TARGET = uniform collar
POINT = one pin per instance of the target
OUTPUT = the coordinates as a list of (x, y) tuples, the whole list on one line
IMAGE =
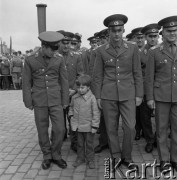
[(123, 43), (116, 44), (167, 44)]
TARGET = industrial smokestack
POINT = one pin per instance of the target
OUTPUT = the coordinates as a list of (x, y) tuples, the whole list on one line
[(41, 14)]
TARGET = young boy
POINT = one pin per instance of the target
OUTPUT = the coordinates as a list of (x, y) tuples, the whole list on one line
[(85, 117)]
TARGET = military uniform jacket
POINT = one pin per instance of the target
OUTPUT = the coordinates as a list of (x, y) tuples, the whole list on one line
[(85, 60), (5, 67), (118, 76), (16, 64), (74, 68), (45, 85), (144, 59), (161, 75)]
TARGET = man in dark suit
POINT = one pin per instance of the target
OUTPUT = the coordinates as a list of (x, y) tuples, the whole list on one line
[(118, 87), (46, 90), (161, 91)]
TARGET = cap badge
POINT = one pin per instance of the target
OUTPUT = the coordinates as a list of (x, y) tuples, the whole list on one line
[(172, 24), (116, 22), (153, 30)]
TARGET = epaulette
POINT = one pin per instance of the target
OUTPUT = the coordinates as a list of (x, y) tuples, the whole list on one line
[(157, 46), (130, 42), (72, 53), (145, 51), (107, 46), (34, 53), (56, 55), (125, 45)]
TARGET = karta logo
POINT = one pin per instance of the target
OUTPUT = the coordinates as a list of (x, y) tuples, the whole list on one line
[(112, 167)]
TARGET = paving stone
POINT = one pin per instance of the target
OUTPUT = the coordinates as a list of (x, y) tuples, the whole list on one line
[(16, 151), (30, 159), (36, 165), (5, 177), (17, 162), (2, 170), (54, 174), (24, 167), (4, 164), (41, 178), (22, 156), (31, 173), (18, 176), (78, 176), (67, 172), (10, 157), (11, 169)]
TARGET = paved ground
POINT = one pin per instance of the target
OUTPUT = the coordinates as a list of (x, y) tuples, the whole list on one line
[(20, 155)]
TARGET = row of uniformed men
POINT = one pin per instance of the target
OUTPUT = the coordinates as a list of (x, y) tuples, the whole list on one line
[(117, 84)]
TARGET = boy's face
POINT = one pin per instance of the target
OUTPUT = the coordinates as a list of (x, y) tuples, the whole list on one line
[(82, 89)]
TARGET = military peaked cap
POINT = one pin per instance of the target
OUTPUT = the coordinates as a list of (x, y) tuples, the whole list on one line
[(92, 39), (67, 35), (151, 28), (129, 36), (50, 38), (103, 33), (168, 22), (137, 31), (115, 20)]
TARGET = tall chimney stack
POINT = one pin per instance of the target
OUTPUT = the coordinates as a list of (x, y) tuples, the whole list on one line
[(41, 14)]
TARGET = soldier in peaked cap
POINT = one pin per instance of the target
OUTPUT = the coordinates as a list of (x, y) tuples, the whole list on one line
[(74, 66), (103, 36), (161, 91), (139, 37), (151, 33), (76, 42), (118, 87), (46, 90), (140, 41), (130, 37), (103, 142)]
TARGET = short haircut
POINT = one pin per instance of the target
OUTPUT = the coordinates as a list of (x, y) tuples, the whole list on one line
[(84, 80)]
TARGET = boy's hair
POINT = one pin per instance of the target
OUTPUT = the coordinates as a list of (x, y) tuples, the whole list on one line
[(84, 80)]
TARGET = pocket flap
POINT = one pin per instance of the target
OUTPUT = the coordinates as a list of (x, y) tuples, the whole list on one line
[(156, 84)]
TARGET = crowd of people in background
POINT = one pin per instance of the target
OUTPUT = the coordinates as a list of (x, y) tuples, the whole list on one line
[(11, 67)]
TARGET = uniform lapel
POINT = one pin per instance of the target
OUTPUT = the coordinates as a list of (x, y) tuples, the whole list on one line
[(166, 51), (51, 62), (110, 50), (122, 49), (175, 57), (40, 59)]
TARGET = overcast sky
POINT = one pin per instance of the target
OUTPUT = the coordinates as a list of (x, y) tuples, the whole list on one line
[(19, 17)]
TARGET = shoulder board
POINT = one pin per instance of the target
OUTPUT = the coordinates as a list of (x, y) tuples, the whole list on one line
[(72, 53), (145, 51), (157, 46), (130, 42), (107, 46), (35, 54), (56, 55), (125, 45)]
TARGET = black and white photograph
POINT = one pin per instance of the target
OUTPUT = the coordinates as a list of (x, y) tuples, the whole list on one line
[(88, 89)]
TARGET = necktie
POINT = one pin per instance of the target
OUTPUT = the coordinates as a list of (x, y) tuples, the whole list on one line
[(173, 49)]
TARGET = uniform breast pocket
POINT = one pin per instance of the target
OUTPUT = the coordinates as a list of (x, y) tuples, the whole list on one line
[(109, 63)]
